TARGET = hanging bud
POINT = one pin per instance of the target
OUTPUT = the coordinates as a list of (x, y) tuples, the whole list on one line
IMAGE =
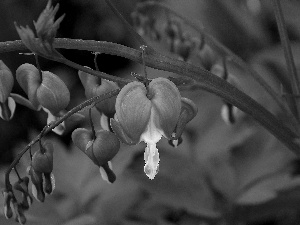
[(207, 56), (37, 184), (8, 196), (95, 86), (19, 212), (29, 78), (176, 142), (188, 111), (42, 160), (100, 150), (53, 94), (184, 46), (147, 114)]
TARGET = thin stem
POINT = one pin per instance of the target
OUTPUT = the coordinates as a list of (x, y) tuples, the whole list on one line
[(143, 47), (95, 60), (38, 64), (52, 125), (92, 124), (287, 54), (15, 169)]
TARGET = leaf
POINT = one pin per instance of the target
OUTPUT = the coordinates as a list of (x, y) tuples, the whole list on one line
[(82, 220), (179, 183)]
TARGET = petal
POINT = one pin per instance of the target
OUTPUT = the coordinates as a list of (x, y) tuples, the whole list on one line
[(118, 130), (151, 157), (7, 109), (51, 118), (166, 100), (133, 109), (6, 82)]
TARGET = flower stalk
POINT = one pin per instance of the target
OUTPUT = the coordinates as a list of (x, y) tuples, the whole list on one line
[(52, 125)]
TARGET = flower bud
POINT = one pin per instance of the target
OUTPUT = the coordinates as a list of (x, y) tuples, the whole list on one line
[(95, 86), (188, 111), (53, 94), (8, 196), (6, 82), (28, 77), (19, 212), (207, 56), (45, 26), (42, 160), (37, 184)]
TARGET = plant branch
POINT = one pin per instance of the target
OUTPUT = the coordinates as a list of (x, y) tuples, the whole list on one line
[(205, 80), (287, 54), (224, 51), (52, 125)]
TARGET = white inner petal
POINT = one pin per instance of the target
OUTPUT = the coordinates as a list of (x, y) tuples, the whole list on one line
[(151, 136)]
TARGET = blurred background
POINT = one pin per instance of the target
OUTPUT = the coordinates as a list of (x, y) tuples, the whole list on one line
[(218, 167)]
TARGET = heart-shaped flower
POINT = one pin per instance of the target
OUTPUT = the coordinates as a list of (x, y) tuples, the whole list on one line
[(100, 149), (146, 114), (48, 91)]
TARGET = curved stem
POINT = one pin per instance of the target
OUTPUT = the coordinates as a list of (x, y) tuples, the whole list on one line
[(52, 125), (205, 79)]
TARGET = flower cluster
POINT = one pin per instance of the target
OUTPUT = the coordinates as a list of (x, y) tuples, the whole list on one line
[(42, 179), (180, 42), (144, 110)]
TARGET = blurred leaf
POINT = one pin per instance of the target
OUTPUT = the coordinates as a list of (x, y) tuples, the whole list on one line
[(180, 183), (82, 220)]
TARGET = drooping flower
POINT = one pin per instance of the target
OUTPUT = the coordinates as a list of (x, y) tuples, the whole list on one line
[(146, 114), (101, 149)]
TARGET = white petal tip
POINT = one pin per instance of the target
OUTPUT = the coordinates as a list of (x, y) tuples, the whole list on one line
[(104, 175), (34, 192)]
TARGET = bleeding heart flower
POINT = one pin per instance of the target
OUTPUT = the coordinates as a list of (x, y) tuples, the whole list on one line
[(146, 114), (42, 166), (100, 149)]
